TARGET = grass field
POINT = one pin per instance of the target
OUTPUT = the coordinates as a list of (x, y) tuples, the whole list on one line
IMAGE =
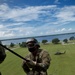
[(60, 64)]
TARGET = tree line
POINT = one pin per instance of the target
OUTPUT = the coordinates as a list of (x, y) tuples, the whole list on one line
[(54, 41)]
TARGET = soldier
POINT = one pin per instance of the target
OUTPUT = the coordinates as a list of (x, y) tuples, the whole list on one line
[(39, 59), (2, 54)]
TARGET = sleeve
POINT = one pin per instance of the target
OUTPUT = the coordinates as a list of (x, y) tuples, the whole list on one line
[(25, 66), (44, 65), (2, 54)]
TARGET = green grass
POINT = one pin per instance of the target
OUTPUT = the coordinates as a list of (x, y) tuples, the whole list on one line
[(60, 64)]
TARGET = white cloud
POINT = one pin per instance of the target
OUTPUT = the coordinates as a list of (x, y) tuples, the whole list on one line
[(33, 13), (5, 32), (57, 2), (66, 14), (22, 14), (63, 29), (15, 20), (70, 29), (1, 27), (4, 7)]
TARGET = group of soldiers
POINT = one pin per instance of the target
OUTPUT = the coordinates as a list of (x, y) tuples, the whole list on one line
[(38, 60)]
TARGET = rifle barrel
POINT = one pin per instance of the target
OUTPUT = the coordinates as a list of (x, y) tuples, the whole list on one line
[(13, 52)]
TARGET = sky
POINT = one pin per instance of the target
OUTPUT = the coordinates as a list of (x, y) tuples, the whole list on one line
[(27, 18)]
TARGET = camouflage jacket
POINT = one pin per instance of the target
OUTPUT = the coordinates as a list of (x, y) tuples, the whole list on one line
[(43, 62), (2, 54)]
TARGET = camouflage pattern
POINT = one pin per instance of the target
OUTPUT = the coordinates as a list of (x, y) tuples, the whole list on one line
[(2, 54), (43, 62)]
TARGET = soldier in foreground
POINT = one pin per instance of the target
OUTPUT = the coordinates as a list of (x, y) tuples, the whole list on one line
[(39, 59), (2, 54)]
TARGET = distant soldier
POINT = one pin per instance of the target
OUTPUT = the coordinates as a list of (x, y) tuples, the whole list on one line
[(2, 54), (39, 59)]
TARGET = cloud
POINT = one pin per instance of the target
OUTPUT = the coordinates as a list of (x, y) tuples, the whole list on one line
[(1, 27), (5, 32), (63, 30), (70, 29), (57, 2), (35, 20), (22, 14), (49, 12), (66, 14)]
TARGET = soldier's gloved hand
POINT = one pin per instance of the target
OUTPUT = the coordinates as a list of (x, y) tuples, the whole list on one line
[(2, 57), (31, 62), (30, 73)]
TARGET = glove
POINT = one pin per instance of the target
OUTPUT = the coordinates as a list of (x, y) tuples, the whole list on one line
[(2, 57), (30, 73), (2, 54), (31, 62)]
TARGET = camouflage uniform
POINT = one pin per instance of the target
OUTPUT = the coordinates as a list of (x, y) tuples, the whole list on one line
[(43, 62), (2, 54)]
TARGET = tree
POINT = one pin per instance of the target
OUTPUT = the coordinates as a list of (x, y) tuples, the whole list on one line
[(12, 45), (44, 41), (23, 44), (72, 38), (55, 41), (65, 40)]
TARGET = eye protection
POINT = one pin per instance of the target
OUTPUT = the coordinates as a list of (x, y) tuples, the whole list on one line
[(30, 45)]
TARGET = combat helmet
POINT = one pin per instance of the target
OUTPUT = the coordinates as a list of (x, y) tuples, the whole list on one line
[(33, 41)]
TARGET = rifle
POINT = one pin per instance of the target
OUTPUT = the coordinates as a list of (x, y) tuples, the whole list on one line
[(14, 52)]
